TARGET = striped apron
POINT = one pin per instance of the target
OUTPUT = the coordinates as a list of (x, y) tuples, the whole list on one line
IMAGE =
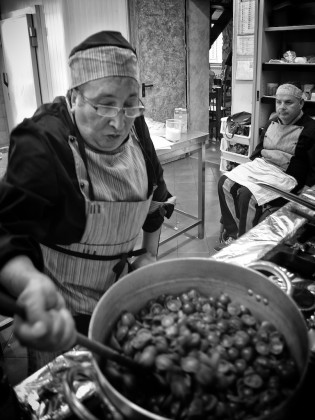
[(84, 271)]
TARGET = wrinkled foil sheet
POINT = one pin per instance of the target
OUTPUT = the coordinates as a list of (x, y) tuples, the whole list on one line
[(275, 229), (42, 394)]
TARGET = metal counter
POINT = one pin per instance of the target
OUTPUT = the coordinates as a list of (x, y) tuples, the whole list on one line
[(272, 231)]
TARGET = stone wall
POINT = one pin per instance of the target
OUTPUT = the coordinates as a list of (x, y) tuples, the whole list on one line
[(198, 35), (158, 31), (172, 42)]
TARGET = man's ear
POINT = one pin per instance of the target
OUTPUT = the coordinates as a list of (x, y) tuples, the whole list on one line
[(73, 97), (302, 103)]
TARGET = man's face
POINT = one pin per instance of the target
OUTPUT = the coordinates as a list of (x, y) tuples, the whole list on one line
[(288, 107), (105, 133)]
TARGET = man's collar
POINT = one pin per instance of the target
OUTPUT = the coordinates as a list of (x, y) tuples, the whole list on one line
[(294, 121)]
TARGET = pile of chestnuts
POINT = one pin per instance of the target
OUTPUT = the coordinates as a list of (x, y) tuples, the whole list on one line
[(213, 358)]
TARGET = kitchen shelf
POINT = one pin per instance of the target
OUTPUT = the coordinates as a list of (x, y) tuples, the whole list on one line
[(289, 28), (271, 43), (237, 137), (288, 67), (226, 142), (270, 100), (231, 158)]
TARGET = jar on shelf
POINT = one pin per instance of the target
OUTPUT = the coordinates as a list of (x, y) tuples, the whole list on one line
[(181, 114), (271, 89)]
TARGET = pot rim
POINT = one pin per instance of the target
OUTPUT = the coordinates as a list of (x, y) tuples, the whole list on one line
[(144, 413)]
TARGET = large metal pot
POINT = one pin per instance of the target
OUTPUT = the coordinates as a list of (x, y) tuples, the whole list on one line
[(244, 285)]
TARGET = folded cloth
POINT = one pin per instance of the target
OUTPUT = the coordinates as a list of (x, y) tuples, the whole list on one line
[(258, 170)]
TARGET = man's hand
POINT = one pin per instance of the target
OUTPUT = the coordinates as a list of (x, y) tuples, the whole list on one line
[(48, 326), (143, 260)]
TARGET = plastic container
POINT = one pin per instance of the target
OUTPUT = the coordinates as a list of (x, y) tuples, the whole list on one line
[(181, 114), (225, 132), (271, 89), (173, 130), (227, 148)]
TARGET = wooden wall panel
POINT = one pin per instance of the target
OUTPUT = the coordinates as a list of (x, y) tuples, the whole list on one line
[(198, 35), (158, 34)]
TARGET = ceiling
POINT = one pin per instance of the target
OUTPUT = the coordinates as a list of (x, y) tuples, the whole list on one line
[(221, 12)]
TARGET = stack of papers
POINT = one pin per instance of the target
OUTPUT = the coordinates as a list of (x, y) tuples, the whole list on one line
[(160, 142)]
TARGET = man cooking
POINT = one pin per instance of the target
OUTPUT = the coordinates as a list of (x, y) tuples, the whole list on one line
[(82, 180)]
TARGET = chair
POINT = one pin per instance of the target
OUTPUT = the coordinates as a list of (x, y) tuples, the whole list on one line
[(216, 111)]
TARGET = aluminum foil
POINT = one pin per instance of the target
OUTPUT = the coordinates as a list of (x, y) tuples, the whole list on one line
[(278, 227), (42, 394)]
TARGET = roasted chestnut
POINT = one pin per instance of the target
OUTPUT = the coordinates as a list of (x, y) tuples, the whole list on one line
[(215, 359)]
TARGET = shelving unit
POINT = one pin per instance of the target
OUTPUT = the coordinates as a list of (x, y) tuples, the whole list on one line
[(242, 77), (271, 43), (227, 141)]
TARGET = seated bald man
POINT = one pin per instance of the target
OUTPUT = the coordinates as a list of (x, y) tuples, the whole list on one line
[(284, 157)]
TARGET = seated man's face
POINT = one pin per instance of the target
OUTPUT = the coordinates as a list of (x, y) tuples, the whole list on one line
[(288, 107)]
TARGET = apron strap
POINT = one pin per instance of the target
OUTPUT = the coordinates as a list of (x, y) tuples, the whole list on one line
[(83, 155), (84, 158), (118, 268)]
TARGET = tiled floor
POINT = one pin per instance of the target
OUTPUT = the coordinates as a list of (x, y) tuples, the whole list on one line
[(181, 178)]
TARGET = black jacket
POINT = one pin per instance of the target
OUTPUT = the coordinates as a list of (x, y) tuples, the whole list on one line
[(40, 197)]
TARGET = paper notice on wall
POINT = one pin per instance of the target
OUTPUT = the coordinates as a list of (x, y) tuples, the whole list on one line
[(245, 45), (244, 70), (246, 18)]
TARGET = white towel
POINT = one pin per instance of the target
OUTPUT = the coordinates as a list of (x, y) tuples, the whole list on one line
[(258, 170)]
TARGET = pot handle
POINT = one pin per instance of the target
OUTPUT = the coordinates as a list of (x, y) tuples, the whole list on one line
[(280, 275), (77, 373)]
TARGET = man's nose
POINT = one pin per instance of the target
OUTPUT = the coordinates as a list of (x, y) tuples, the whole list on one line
[(118, 121)]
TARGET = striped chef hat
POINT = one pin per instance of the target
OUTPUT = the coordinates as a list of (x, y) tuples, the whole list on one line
[(104, 54)]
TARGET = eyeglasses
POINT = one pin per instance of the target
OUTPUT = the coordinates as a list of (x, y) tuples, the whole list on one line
[(113, 111)]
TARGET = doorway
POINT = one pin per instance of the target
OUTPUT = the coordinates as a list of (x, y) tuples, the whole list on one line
[(220, 64), (20, 78)]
